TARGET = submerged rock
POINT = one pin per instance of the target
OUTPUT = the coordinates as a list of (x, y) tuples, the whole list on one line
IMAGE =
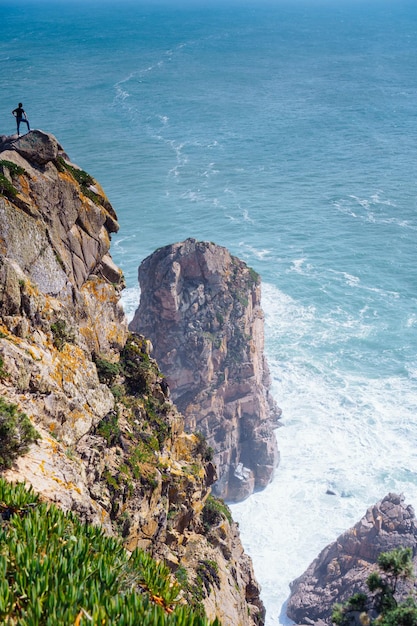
[(200, 307), (342, 568)]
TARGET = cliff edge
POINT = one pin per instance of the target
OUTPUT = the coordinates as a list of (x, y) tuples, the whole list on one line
[(200, 307), (108, 443)]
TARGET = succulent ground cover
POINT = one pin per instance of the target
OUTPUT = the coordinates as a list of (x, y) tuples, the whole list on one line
[(55, 571)]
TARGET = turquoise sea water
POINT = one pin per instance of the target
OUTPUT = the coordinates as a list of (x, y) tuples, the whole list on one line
[(287, 132)]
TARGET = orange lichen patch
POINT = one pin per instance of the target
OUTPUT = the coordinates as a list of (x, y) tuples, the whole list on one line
[(4, 330), (76, 415), (24, 183), (184, 446), (35, 353), (54, 445), (51, 306), (52, 442), (68, 484), (67, 364), (91, 338), (88, 204), (68, 177), (30, 288), (101, 291), (3, 246)]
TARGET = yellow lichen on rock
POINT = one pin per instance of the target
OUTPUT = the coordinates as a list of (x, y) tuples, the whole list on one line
[(112, 445)]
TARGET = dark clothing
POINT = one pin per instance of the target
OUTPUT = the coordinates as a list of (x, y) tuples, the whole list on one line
[(20, 116), (19, 113)]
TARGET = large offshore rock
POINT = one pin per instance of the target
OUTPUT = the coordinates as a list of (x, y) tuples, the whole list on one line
[(342, 568), (201, 308)]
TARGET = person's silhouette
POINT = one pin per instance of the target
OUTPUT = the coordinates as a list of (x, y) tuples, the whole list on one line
[(20, 116)]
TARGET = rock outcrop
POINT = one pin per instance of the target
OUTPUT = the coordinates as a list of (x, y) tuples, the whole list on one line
[(201, 309), (342, 568), (112, 444)]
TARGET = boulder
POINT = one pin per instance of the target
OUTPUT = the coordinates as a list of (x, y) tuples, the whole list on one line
[(37, 147), (341, 569)]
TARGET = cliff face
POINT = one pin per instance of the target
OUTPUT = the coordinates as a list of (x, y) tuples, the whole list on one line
[(112, 444), (200, 307), (342, 568)]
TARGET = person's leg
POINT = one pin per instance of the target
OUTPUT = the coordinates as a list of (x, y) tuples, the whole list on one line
[(18, 125), (27, 124)]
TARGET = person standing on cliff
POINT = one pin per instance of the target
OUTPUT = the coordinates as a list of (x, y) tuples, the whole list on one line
[(20, 116)]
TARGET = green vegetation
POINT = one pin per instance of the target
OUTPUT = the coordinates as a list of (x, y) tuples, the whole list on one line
[(254, 276), (215, 339), (6, 187), (207, 572), (214, 512), (109, 428), (16, 433), (140, 424), (56, 571), (61, 334), (60, 260), (220, 318), (380, 606), (202, 449), (141, 400), (83, 179), (3, 373), (107, 370), (206, 577), (142, 379), (14, 169), (138, 368)]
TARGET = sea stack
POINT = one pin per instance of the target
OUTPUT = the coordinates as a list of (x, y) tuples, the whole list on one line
[(200, 307)]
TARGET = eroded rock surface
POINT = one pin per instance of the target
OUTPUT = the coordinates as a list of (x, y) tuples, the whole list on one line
[(113, 447), (201, 308), (342, 568)]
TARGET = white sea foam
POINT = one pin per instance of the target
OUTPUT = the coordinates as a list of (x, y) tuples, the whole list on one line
[(258, 253), (342, 433), (300, 266), (130, 301), (373, 210)]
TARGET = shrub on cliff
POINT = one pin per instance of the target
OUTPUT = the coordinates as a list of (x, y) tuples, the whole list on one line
[(380, 606), (56, 571), (214, 512), (16, 433), (6, 187)]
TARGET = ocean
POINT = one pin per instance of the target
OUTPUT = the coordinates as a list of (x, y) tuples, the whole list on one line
[(287, 132)]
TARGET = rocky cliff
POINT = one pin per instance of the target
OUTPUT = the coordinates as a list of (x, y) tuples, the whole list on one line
[(110, 443), (342, 568), (201, 308)]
